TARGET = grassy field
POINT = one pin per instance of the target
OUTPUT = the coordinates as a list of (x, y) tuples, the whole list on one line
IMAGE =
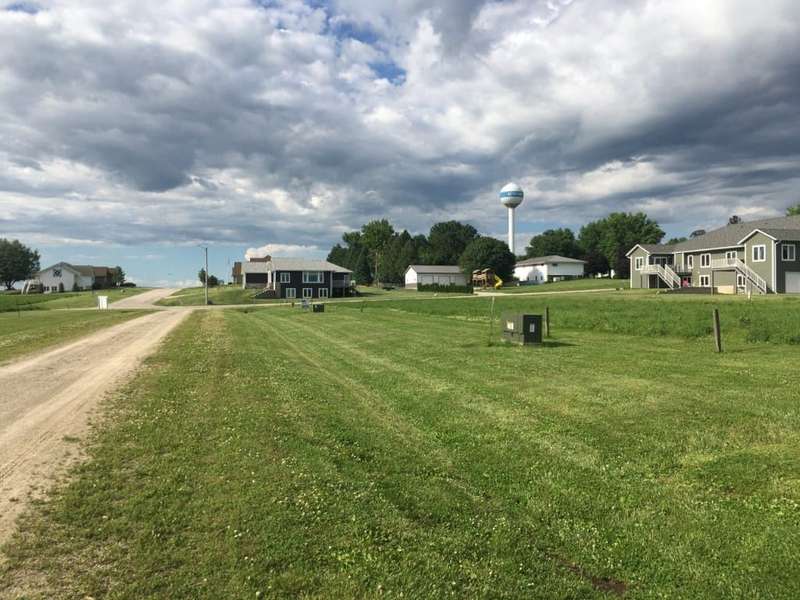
[(14, 302), (390, 453), (30, 331), (231, 295), (635, 312), (573, 284)]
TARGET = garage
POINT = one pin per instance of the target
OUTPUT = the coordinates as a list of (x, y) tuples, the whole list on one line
[(792, 282)]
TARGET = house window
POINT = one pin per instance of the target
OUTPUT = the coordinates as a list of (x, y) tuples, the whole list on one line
[(313, 277), (740, 280), (705, 260), (690, 261), (308, 292), (731, 255), (759, 253), (323, 292), (705, 281), (291, 293), (639, 262), (788, 252), (286, 277)]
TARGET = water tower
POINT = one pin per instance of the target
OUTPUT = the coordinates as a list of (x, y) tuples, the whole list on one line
[(511, 196)]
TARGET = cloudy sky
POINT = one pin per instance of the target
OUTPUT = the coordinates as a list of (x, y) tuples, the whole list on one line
[(133, 131)]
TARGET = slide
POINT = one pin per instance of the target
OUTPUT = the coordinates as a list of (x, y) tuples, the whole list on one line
[(498, 283)]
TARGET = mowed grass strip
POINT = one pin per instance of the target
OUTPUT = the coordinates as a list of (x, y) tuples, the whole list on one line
[(772, 319), (31, 331), (568, 285), (384, 453), (20, 302)]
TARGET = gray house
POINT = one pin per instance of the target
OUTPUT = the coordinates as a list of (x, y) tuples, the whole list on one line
[(761, 257), (295, 278)]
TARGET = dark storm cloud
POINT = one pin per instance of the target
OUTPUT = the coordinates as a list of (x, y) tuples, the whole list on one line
[(233, 122)]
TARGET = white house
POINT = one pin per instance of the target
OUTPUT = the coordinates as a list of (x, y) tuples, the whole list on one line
[(429, 274), (64, 277), (543, 269)]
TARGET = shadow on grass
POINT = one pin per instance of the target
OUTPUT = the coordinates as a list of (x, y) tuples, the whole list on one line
[(510, 345)]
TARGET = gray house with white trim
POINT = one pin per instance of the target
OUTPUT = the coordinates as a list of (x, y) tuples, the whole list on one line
[(761, 257)]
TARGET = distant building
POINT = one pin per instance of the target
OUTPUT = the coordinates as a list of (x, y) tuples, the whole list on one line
[(295, 278), (64, 277), (416, 275), (544, 269)]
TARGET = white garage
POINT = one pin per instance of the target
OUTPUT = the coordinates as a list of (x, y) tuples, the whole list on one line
[(434, 274), (792, 282)]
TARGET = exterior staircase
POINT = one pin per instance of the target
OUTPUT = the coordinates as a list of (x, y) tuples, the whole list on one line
[(270, 292), (665, 273), (751, 277)]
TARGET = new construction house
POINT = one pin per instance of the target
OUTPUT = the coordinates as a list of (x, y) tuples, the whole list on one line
[(759, 257), (295, 278)]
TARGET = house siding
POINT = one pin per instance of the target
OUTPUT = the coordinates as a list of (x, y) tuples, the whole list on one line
[(764, 269), (296, 282), (639, 279), (784, 267)]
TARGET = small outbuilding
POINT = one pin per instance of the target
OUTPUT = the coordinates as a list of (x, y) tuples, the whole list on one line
[(544, 269), (434, 274)]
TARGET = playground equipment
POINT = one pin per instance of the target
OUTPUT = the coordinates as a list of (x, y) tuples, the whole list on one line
[(484, 278)]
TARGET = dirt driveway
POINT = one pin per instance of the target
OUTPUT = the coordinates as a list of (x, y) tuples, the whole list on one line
[(45, 401), (145, 299)]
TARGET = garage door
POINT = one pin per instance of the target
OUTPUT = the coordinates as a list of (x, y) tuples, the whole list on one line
[(793, 283)]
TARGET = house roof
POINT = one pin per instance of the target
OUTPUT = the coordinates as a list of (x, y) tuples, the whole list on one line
[(548, 260), (732, 236), (84, 270), (291, 264), (434, 269)]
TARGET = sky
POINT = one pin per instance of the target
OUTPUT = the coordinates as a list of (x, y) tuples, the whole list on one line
[(134, 132)]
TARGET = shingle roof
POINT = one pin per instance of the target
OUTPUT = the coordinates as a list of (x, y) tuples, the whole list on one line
[(548, 260), (785, 228), (291, 264), (427, 269)]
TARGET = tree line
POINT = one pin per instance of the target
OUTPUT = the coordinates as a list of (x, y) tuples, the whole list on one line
[(377, 252)]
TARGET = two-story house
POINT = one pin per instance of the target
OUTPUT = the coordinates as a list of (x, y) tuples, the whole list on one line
[(293, 278), (757, 256)]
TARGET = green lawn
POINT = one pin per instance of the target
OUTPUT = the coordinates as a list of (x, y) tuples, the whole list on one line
[(389, 453), (232, 295), (28, 331), (14, 302), (570, 285), (634, 312)]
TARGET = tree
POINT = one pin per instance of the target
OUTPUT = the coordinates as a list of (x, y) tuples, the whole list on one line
[(793, 210), (376, 236), (448, 240), (622, 231), (201, 275), (589, 240), (561, 242), (675, 240), (361, 270), (488, 253), (213, 281), (117, 276), (17, 262)]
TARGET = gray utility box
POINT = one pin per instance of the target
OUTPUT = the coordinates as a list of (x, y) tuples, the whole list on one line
[(522, 329)]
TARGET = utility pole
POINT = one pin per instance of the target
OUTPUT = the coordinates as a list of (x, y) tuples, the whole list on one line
[(205, 249)]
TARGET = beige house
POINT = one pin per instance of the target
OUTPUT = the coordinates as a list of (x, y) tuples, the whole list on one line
[(759, 257)]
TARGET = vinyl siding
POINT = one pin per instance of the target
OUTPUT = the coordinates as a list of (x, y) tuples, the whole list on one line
[(786, 267), (764, 269)]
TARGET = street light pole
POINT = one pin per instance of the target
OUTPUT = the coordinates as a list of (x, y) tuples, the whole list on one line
[(205, 248)]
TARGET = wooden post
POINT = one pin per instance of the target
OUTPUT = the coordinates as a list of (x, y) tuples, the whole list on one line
[(717, 333), (546, 321)]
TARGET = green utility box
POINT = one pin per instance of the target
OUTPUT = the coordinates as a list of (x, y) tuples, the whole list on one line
[(318, 308), (522, 329)]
